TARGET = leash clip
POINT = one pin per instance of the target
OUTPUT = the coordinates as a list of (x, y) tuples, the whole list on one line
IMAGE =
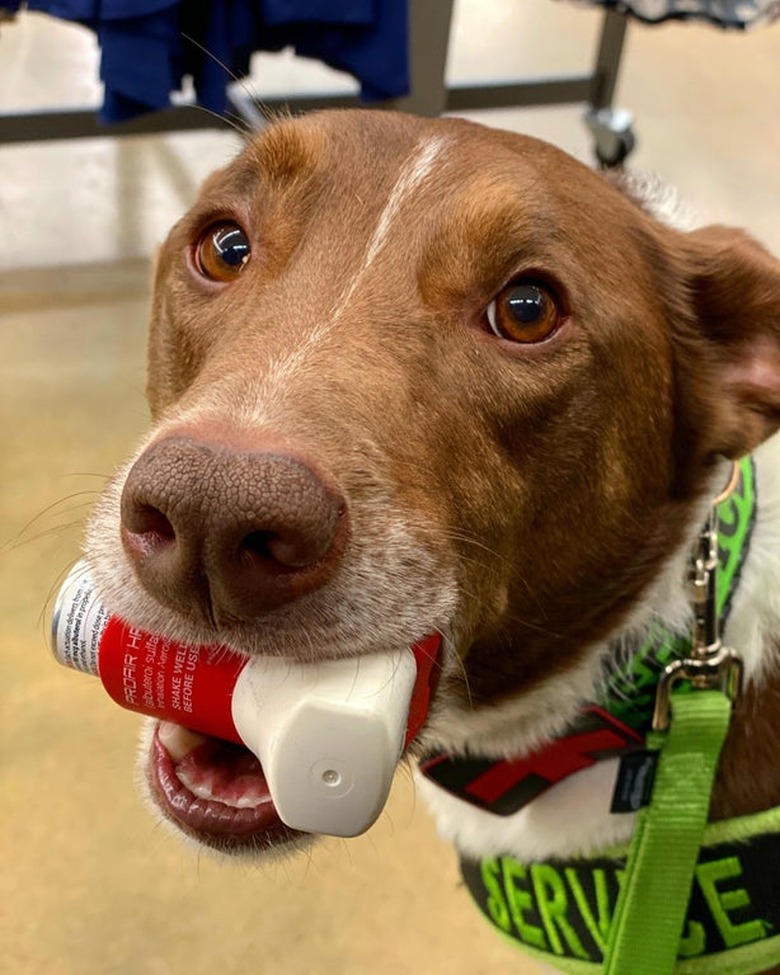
[(722, 670), (711, 665)]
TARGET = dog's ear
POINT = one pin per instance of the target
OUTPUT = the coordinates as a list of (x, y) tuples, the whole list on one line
[(733, 286)]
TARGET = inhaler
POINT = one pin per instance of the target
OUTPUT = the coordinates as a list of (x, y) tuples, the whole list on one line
[(328, 734)]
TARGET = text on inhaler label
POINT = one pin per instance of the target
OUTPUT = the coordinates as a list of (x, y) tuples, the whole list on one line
[(84, 625), (191, 686)]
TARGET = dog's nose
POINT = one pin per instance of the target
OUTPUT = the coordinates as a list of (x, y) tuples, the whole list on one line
[(228, 534)]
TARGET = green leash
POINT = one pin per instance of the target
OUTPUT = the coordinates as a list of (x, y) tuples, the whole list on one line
[(645, 934), (689, 727)]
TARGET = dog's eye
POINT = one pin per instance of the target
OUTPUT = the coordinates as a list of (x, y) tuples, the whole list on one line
[(223, 251), (525, 312)]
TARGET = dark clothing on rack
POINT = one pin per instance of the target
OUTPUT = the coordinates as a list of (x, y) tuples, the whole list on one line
[(149, 46)]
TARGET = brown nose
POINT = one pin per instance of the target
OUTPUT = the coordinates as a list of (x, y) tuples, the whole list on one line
[(225, 534)]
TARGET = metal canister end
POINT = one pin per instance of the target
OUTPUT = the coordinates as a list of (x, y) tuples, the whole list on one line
[(78, 622)]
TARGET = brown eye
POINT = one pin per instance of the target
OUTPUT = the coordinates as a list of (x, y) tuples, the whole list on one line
[(223, 251), (524, 312)]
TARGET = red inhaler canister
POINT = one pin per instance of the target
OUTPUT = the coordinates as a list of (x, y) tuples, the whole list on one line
[(328, 735), (143, 672)]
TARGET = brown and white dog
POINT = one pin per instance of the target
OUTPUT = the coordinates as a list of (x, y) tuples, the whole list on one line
[(412, 376)]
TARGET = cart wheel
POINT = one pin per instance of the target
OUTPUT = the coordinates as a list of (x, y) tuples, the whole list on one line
[(620, 150), (613, 135)]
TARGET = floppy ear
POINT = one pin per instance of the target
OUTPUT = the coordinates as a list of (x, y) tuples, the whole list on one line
[(734, 288)]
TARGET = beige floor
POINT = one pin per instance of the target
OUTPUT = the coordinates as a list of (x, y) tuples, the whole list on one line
[(89, 886)]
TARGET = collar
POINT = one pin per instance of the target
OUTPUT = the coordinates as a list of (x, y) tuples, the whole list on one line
[(560, 911), (616, 724)]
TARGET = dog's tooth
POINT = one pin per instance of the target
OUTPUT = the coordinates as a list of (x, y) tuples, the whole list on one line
[(252, 797), (178, 741), (202, 788)]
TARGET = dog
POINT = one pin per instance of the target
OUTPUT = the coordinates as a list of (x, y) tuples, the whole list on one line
[(413, 377)]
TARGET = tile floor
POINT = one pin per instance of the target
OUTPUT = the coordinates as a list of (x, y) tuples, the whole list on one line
[(89, 885)]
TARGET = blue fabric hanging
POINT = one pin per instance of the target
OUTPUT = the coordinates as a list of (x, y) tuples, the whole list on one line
[(145, 53)]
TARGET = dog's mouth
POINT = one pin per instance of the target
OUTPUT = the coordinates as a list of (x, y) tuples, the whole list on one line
[(214, 790), (356, 720)]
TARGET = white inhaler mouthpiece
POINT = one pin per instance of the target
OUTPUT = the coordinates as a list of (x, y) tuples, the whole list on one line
[(328, 735)]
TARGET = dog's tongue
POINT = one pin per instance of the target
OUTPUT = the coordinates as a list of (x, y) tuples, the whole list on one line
[(215, 770), (211, 786)]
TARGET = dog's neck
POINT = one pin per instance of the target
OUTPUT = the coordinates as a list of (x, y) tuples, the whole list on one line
[(624, 712), (573, 818)]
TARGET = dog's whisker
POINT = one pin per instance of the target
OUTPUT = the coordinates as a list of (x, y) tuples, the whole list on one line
[(56, 505), (252, 95), (239, 125), (438, 533), (96, 474), (52, 595), (470, 540), (51, 532), (461, 536), (535, 627), (461, 667)]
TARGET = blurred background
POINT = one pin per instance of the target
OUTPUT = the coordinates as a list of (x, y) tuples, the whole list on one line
[(89, 884)]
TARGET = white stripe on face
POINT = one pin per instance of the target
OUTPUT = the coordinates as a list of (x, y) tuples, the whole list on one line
[(415, 170), (265, 398)]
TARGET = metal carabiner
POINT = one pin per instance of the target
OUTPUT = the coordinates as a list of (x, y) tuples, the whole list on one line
[(722, 670), (710, 665)]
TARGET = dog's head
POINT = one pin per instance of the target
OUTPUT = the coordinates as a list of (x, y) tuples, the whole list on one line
[(412, 376)]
